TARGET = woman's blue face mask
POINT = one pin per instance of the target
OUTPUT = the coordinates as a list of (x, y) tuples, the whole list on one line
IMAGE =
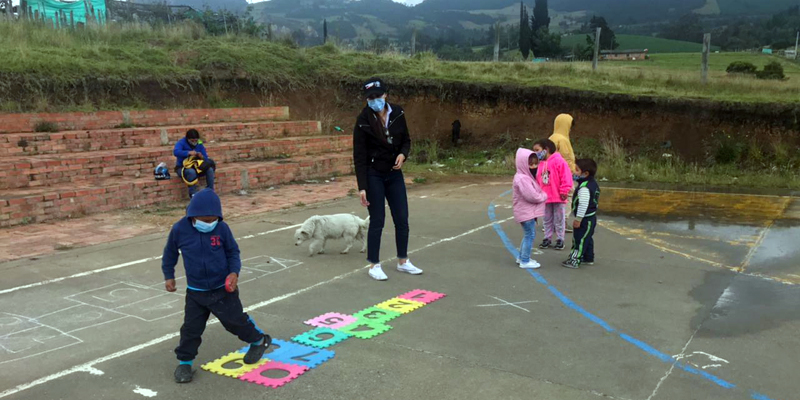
[(377, 105)]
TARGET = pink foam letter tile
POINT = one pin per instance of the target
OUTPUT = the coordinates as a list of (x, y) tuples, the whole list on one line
[(422, 296), (255, 376), (331, 320)]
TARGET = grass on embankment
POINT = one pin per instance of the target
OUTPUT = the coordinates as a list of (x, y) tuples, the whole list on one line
[(744, 167), (37, 57)]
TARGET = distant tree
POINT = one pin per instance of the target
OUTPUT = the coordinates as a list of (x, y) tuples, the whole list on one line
[(546, 44), (688, 28), (524, 31), (540, 18), (324, 31), (608, 40)]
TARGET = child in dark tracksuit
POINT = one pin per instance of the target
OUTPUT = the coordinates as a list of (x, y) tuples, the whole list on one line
[(584, 207), (210, 257)]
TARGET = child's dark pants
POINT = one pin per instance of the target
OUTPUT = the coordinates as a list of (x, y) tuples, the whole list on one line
[(583, 241), (226, 307)]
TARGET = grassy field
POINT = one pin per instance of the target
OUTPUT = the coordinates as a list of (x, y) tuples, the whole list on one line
[(653, 44), (37, 57)]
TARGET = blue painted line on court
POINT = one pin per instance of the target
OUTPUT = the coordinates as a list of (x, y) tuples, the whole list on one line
[(597, 320)]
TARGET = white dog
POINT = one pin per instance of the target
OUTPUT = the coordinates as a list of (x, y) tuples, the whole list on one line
[(320, 228)]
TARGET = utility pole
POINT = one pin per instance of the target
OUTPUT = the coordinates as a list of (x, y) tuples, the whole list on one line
[(414, 41), (497, 43), (596, 48), (796, 41), (706, 51)]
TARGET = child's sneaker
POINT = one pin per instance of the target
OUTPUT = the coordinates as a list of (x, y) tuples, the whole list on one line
[(377, 273), (184, 373), (559, 245), (587, 262), (256, 350), (545, 244), (519, 261), (530, 265), (409, 268), (570, 263)]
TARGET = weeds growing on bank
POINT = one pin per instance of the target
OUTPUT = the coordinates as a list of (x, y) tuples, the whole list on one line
[(754, 165), (38, 57)]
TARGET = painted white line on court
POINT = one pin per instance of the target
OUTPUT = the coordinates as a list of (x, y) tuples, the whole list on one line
[(123, 265), (90, 366)]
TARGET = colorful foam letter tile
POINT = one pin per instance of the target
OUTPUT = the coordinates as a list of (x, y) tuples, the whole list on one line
[(298, 354), (376, 315), (256, 376), (331, 320), (317, 337), (217, 366), (365, 329), (277, 347), (402, 306), (422, 296)]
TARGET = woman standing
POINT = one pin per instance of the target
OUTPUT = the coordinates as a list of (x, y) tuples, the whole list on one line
[(380, 147)]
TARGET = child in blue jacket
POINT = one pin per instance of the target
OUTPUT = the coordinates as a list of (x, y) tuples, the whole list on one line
[(191, 145), (210, 257)]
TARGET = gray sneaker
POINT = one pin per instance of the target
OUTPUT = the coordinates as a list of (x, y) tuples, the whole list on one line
[(184, 373)]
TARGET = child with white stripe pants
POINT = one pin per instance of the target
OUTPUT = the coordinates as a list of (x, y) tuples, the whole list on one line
[(584, 207)]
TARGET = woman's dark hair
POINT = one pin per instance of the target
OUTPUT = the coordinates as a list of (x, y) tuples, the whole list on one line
[(587, 165), (546, 144), (192, 134)]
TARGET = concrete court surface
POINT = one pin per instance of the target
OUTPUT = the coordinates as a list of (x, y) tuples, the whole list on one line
[(691, 302)]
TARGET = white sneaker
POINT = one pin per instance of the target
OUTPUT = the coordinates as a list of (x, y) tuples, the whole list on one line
[(530, 265), (409, 268), (519, 261), (377, 273)]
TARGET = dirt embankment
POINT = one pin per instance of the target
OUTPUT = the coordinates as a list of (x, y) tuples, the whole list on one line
[(489, 114)]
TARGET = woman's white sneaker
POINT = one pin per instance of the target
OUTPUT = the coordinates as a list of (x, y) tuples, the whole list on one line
[(377, 273), (530, 265), (409, 268)]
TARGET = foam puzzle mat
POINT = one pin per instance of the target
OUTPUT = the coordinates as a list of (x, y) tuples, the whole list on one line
[(308, 350), (256, 376), (218, 366), (365, 329), (402, 306), (318, 337)]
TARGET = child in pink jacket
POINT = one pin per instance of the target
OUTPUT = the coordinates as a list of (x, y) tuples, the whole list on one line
[(555, 178), (529, 202)]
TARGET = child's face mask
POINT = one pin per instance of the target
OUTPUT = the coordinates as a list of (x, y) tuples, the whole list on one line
[(205, 227)]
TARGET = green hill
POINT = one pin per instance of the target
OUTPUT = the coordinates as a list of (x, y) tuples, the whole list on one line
[(654, 44)]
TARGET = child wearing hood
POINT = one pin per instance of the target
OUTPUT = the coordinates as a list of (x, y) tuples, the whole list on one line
[(555, 178), (529, 200), (212, 263), (561, 130)]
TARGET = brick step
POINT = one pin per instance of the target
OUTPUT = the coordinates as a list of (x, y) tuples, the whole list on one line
[(32, 144), (21, 206), (18, 123), (22, 172)]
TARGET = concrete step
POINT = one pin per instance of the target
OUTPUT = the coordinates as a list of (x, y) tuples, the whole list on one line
[(33, 144), (31, 205), (54, 169), (18, 123)]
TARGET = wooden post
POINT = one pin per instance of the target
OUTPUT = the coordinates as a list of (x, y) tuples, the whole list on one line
[(796, 42), (497, 42), (71, 19), (596, 49), (706, 51), (414, 42)]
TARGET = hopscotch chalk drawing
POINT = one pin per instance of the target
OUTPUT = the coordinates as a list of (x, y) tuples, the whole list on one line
[(309, 349)]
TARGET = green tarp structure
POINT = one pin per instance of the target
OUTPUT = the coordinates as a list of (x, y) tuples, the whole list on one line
[(52, 8)]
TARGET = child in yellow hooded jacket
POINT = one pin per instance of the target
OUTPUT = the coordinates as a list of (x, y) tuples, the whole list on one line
[(560, 137)]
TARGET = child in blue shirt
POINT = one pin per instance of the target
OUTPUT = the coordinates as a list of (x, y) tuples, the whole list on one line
[(210, 257)]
